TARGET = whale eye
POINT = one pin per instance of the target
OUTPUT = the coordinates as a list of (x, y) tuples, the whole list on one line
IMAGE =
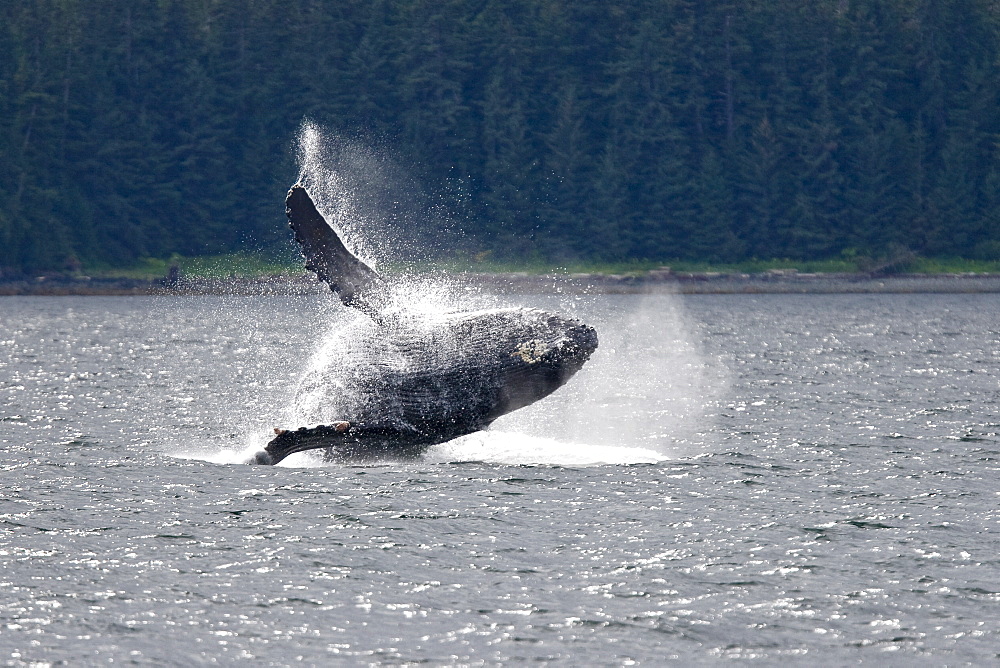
[(530, 351)]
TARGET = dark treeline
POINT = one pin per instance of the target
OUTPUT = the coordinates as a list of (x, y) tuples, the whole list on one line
[(636, 129)]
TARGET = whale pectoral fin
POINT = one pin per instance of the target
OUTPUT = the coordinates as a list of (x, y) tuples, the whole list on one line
[(350, 440), (357, 284), (287, 442)]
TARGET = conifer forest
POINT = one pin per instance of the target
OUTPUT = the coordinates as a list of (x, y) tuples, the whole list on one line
[(605, 131)]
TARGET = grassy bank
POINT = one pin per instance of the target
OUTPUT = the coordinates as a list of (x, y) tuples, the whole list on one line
[(916, 265), (234, 265), (242, 265)]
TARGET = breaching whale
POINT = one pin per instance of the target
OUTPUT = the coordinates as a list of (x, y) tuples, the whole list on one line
[(407, 381)]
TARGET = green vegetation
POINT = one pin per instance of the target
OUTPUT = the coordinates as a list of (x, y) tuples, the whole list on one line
[(639, 132), (752, 266), (953, 266), (234, 265), (241, 265)]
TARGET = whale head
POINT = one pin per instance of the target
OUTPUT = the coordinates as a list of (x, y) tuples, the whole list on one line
[(540, 354)]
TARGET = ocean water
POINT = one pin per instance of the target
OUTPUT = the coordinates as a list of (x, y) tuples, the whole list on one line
[(773, 478)]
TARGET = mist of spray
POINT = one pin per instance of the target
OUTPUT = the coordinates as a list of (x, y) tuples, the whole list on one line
[(642, 397), (639, 399), (377, 208)]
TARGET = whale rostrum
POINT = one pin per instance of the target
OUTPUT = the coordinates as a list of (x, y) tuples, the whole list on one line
[(403, 382)]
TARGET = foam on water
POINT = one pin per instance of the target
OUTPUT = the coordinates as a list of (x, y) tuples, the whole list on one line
[(501, 447), (490, 446), (637, 400)]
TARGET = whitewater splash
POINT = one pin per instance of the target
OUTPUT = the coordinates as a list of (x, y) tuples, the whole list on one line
[(494, 446), (488, 447), (377, 210), (648, 386), (641, 399), (626, 408)]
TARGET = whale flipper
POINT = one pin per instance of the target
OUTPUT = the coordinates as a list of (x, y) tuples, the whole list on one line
[(356, 283), (343, 441)]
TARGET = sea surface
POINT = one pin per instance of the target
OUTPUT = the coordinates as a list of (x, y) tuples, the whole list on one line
[(805, 479)]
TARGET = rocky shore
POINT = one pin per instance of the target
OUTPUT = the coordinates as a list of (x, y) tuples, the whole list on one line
[(85, 286), (772, 282), (657, 281)]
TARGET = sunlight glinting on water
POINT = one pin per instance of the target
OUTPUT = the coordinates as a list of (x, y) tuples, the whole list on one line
[(836, 499)]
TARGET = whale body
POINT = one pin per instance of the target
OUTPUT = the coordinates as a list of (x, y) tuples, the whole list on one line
[(405, 381)]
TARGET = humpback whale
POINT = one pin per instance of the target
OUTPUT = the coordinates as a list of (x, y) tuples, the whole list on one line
[(406, 381)]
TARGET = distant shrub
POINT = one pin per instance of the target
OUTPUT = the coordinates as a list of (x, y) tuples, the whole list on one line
[(987, 250)]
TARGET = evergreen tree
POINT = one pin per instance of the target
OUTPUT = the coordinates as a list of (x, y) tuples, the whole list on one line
[(657, 173), (763, 197), (568, 171), (640, 129), (510, 167)]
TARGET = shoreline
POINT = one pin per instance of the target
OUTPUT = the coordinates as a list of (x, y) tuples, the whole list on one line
[(657, 281)]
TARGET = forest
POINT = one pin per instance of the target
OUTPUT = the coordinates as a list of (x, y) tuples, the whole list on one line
[(606, 131)]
